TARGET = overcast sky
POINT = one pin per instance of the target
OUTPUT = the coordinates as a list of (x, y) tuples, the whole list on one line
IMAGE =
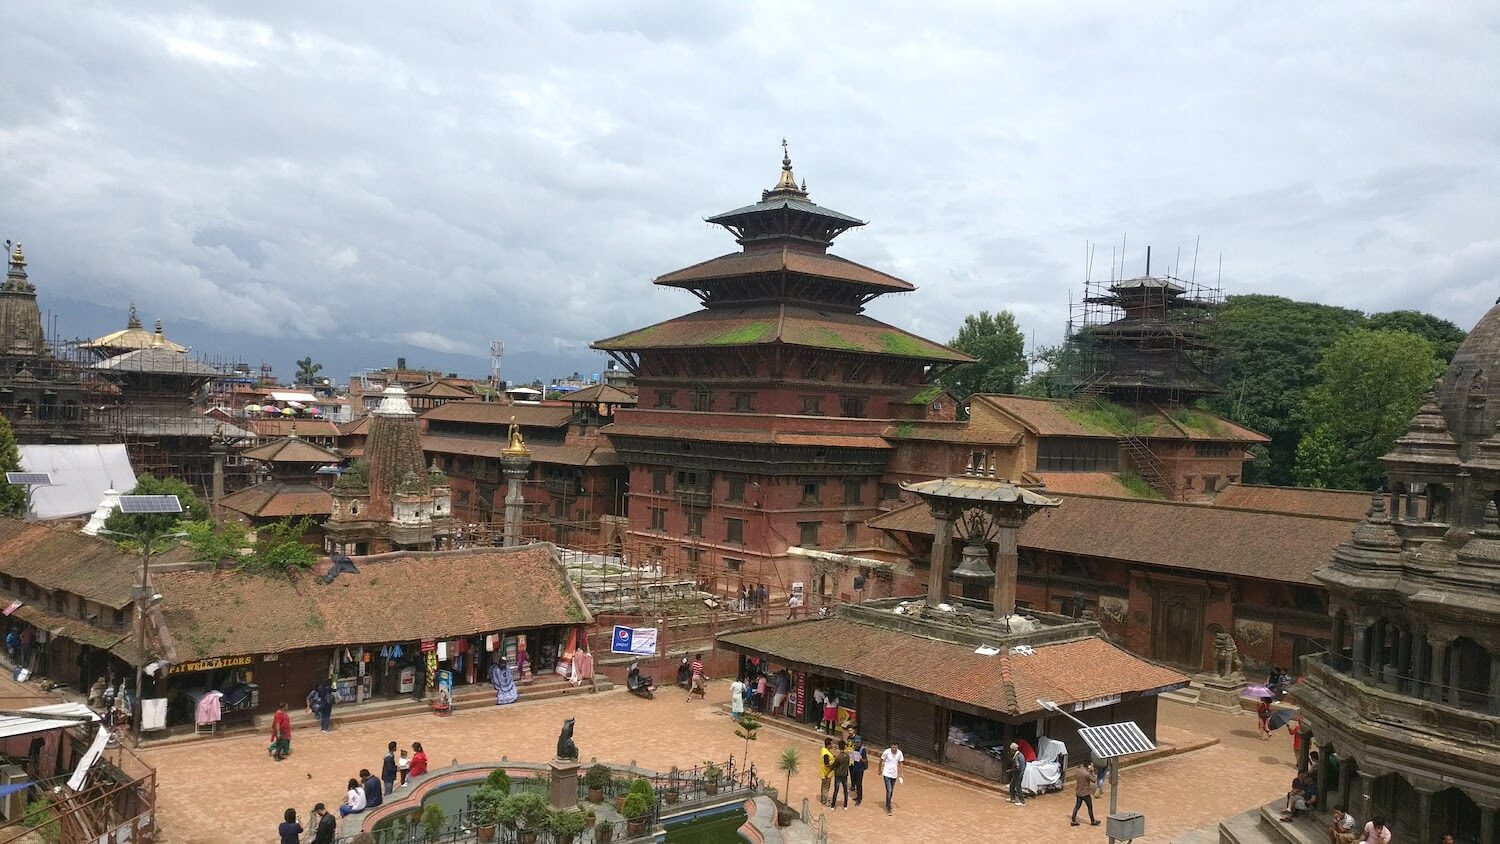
[(444, 176)]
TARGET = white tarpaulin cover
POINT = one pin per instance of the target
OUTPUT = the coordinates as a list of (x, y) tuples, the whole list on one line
[(36, 720), (80, 475), (288, 395)]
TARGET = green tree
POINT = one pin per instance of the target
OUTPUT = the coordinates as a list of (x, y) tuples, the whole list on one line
[(1444, 336), (307, 370), (1053, 377), (1370, 384), (12, 498), (999, 350), (141, 524), (1272, 346)]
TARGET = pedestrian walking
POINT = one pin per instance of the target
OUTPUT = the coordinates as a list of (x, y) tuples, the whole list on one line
[(841, 763), (388, 768), (825, 770), (1018, 770), (1083, 793), (695, 686), (890, 770), (737, 699), (281, 733), (794, 605), (858, 761), (1263, 718), (320, 704)]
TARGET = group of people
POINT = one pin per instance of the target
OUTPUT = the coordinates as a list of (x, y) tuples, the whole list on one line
[(752, 598), (364, 792), (841, 769), (1375, 831)]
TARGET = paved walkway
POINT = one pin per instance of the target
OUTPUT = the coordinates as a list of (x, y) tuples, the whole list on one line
[(230, 790)]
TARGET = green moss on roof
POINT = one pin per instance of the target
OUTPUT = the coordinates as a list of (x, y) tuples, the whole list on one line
[(1108, 418), (905, 429), (896, 343), (829, 339), (1137, 485), (927, 395), (750, 332), (1199, 421)]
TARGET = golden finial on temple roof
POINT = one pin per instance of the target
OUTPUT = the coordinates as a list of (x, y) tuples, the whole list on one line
[(787, 182), (17, 257)]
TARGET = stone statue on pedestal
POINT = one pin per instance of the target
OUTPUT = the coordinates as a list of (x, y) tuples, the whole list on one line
[(1227, 657), (566, 749)]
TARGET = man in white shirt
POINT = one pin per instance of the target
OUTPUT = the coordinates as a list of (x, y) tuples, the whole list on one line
[(890, 770)]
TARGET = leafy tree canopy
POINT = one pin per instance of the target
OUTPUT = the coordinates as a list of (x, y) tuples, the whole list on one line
[(1370, 384), (1442, 334), (999, 349), (12, 498), (307, 370), (142, 524)]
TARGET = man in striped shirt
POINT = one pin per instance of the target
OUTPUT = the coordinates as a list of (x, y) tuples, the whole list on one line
[(696, 686)]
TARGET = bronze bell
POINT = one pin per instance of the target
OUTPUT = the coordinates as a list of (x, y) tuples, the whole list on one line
[(974, 563)]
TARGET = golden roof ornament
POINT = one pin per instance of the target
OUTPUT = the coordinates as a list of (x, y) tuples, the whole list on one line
[(159, 339), (17, 257), (788, 181), (517, 446)]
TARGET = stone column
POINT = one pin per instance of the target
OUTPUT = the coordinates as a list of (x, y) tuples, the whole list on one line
[(1424, 815), (1411, 505), (515, 470), (1487, 823), (1366, 801), (1419, 663), (1494, 701), (1006, 562), (1403, 657), (1336, 644), (1439, 655), (1346, 779), (1453, 662), (1360, 656), (942, 554)]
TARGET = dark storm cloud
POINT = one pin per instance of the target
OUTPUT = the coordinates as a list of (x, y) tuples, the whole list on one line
[(441, 176)]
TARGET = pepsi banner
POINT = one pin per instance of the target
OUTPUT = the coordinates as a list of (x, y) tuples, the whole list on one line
[(638, 641)]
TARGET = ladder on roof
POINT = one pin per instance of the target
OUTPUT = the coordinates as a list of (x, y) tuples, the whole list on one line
[(1090, 395)]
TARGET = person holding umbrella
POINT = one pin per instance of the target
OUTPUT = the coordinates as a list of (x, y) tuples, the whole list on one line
[(1263, 717)]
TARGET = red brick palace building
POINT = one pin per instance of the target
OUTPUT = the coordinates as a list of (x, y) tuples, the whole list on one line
[(760, 416)]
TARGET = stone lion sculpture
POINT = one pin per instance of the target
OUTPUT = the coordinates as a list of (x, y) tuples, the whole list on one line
[(1227, 656)]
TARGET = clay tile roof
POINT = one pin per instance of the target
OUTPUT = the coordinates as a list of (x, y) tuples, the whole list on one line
[(464, 593), (1267, 546), (946, 431), (292, 450), (159, 360), (306, 427), (278, 499), (56, 557), (1194, 537), (1067, 673), (581, 454), (79, 630), (441, 389), (762, 437), (755, 262), (354, 427), (600, 394), (789, 324), (1086, 483), (1055, 418), (1337, 503), (527, 415)]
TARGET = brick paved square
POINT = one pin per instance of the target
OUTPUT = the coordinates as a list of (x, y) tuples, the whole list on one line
[(229, 790)]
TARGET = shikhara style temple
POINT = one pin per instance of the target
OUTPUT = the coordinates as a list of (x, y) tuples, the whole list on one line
[(760, 415), (1409, 693)]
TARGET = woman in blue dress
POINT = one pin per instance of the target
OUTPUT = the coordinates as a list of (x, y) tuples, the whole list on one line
[(505, 685)]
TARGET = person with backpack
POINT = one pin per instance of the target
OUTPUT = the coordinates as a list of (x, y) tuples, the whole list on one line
[(320, 704), (858, 762)]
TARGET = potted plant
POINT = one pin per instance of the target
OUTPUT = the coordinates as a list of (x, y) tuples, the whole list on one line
[(499, 780), (597, 779), (589, 818), (637, 807), (525, 814), (604, 833), (711, 775), (622, 790), (486, 807), (789, 763), (566, 824), (673, 789)]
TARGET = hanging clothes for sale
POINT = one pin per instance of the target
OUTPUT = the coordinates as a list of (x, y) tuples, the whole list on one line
[(209, 711), (491, 642)]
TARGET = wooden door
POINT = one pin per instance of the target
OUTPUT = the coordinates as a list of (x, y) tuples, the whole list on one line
[(1178, 634)]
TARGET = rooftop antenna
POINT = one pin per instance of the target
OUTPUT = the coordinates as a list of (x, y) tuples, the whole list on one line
[(1196, 242)]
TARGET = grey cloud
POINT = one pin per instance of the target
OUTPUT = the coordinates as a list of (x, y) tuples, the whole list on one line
[(327, 171)]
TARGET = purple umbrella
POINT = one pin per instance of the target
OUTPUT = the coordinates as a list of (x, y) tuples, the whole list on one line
[(1257, 692)]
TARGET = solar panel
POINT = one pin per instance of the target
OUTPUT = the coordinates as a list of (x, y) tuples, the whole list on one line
[(28, 478), (150, 504), (1111, 740)]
